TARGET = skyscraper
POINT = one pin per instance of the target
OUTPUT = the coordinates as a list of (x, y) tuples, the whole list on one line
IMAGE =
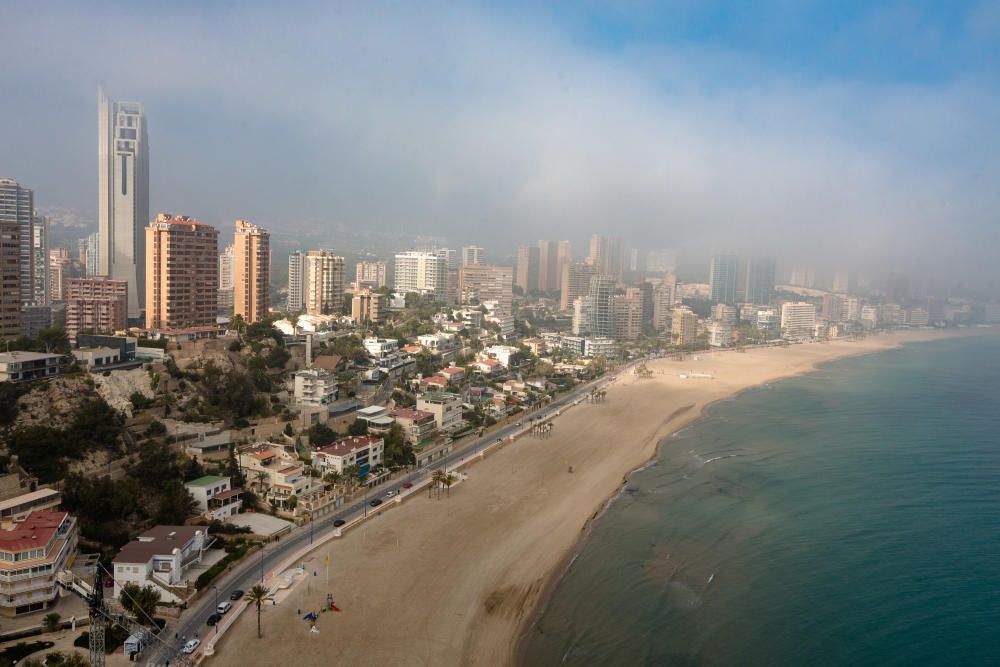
[(472, 254), (422, 272), (93, 259), (601, 290), (182, 274), (564, 255), (487, 282), (369, 274), (575, 283), (60, 268), (607, 255), (683, 326), (41, 295), (723, 279), (527, 268), (17, 207), (324, 282), (226, 281), (758, 281), (296, 281), (123, 200), (11, 203), (251, 271), (548, 266)]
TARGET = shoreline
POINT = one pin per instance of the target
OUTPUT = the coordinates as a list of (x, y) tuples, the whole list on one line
[(484, 570)]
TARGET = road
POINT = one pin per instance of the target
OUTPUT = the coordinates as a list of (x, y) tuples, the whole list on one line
[(256, 566)]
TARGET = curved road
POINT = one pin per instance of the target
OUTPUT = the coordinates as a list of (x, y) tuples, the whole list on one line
[(256, 566)]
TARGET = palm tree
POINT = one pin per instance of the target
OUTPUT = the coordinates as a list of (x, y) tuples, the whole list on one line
[(257, 596), (437, 480), (51, 622), (449, 479)]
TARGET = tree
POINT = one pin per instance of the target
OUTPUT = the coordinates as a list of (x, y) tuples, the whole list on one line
[(438, 480), (257, 596), (233, 469), (449, 479), (358, 427), (141, 602), (289, 431), (50, 623), (321, 435)]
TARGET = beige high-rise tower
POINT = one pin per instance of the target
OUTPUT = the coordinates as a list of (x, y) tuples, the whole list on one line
[(251, 271), (324, 283), (182, 273)]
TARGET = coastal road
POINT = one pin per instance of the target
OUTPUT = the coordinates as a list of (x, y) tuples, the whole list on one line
[(259, 565)]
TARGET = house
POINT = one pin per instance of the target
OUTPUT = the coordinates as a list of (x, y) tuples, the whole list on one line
[(379, 348), (25, 366), (216, 497), (96, 358), (536, 345), (432, 383), (328, 362), (362, 451), (411, 349), (505, 354), (277, 474), (162, 557), (377, 418), (452, 373), (488, 366), (32, 552), (315, 387), (432, 448), (515, 388), (17, 508), (438, 343), (417, 424), (446, 408)]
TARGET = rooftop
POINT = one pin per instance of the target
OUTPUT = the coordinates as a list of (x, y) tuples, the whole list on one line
[(20, 356), (157, 541), (349, 444), (207, 480), (35, 531), (40, 494), (410, 413)]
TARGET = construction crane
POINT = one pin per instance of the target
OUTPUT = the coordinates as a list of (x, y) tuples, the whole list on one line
[(103, 616)]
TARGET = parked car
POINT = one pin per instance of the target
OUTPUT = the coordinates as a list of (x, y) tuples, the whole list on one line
[(236, 595), (223, 608), (376, 502), (390, 494), (338, 523), (191, 646), (213, 619), (407, 485)]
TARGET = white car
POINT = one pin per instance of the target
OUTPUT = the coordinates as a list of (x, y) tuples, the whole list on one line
[(191, 646), (390, 494)]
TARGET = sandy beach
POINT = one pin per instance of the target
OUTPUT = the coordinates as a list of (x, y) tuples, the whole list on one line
[(456, 580)]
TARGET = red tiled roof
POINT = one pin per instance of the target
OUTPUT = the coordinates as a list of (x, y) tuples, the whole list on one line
[(349, 444), (35, 531), (227, 494), (452, 371)]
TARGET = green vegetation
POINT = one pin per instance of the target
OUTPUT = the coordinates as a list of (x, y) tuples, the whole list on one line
[(140, 602), (321, 435), (257, 596), (52, 340), (50, 622), (14, 654), (237, 552)]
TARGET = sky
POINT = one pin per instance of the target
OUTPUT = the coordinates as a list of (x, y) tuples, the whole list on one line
[(837, 131)]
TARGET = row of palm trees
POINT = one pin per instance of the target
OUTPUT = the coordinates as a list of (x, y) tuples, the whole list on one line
[(441, 479), (597, 395)]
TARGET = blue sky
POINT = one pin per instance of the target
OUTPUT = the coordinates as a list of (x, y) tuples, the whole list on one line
[(829, 130)]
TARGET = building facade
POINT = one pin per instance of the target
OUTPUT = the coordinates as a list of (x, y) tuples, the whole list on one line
[(226, 281), (324, 282), (99, 304), (798, 320), (684, 326), (182, 273), (575, 283), (370, 274), (32, 553), (723, 279), (123, 201), (251, 271), (527, 268), (368, 306), (472, 254), (548, 266), (296, 281), (422, 272), (487, 282), (15, 209)]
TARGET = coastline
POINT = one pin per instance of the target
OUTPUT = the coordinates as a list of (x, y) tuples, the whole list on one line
[(466, 578)]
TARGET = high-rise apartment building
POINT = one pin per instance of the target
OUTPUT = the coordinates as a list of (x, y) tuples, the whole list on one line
[(601, 290), (548, 266), (627, 314), (225, 303), (123, 201), (97, 303), (182, 273), (798, 320), (17, 212), (370, 274), (723, 279), (368, 306), (422, 272), (527, 268), (564, 255), (664, 301), (296, 281), (472, 254), (683, 326), (41, 295), (575, 283), (757, 281), (583, 316), (607, 255), (92, 261), (14, 205), (324, 282), (831, 308), (60, 268), (487, 282), (251, 271)]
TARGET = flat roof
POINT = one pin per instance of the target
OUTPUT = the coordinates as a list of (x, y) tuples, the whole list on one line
[(157, 541), (207, 480), (22, 355), (40, 494), (35, 531)]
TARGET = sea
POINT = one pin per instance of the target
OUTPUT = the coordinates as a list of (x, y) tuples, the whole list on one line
[(848, 516)]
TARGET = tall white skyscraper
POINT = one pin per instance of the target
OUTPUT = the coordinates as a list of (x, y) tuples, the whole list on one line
[(296, 281), (422, 272), (123, 206), (93, 260), (226, 281), (40, 261)]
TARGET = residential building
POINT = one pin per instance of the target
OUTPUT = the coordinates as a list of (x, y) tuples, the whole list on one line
[(125, 346), (380, 347), (472, 255), (507, 355), (33, 552), (607, 255), (487, 282), (92, 261), (424, 273), (14, 510), (725, 313), (599, 346), (251, 271), (850, 309), (225, 306), (15, 207), (438, 343), (831, 308), (720, 334), (627, 314), (417, 425), (34, 319), (798, 320), (123, 201), (182, 273), (370, 274), (369, 307), (60, 269), (758, 281), (664, 301), (564, 255), (548, 266), (314, 386), (41, 296), (601, 290), (917, 317), (17, 213), (359, 450), (769, 322), (296, 281), (24, 366), (216, 497), (723, 279), (452, 374), (446, 408), (683, 326), (277, 475), (98, 304), (575, 283), (162, 557), (324, 282), (527, 268)]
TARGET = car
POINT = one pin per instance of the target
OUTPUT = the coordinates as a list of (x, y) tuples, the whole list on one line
[(213, 619), (236, 595), (390, 494), (517, 424), (376, 502), (407, 485), (191, 646), (109, 582), (223, 608), (338, 523)]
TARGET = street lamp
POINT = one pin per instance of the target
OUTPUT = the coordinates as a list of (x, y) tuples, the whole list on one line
[(216, 589)]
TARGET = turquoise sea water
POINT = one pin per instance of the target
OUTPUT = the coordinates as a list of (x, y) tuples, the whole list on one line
[(850, 516)]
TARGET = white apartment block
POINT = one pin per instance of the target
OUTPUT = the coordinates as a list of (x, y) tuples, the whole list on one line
[(370, 274), (446, 408), (422, 272), (315, 387), (379, 348), (348, 452), (798, 320)]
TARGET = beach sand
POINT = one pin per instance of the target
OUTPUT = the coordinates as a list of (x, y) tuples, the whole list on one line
[(456, 580)]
